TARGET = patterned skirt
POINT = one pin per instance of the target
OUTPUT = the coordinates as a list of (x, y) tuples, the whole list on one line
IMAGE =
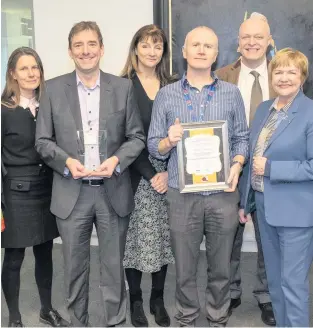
[(148, 244)]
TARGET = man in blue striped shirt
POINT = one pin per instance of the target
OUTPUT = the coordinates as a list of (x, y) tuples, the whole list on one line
[(200, 96)]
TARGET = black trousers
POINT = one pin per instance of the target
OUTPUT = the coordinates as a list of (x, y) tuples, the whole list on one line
[(11, 268)]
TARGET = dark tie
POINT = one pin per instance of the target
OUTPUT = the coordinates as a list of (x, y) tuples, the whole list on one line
[(256, 95)]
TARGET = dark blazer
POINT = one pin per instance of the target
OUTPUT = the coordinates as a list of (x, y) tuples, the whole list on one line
[(288, 190), (59, 120), (230, 73)]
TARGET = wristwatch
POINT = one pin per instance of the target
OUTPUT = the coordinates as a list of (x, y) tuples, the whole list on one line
[(235, 162)]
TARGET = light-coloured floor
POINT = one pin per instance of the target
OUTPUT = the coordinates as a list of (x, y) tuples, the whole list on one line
[(247, 315)]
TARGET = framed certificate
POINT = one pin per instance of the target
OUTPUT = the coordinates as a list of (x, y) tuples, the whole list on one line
[(203, 157)]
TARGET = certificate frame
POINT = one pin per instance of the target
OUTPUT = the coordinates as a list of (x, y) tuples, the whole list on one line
[(214, 181)]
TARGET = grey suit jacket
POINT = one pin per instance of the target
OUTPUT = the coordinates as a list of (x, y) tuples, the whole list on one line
[(58, 121)]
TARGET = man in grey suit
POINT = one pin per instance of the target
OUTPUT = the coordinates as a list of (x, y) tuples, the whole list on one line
[(89, 131)]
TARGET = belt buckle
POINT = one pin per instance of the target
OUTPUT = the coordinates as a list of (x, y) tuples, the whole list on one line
[(92, 183)]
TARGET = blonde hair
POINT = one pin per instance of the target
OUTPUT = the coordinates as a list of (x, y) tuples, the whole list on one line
[(289, 56), (11, 94)]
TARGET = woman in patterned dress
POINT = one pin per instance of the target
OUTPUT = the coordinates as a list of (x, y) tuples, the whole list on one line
[(148, 247)]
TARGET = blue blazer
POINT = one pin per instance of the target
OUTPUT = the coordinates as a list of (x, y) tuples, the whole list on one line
[(288, 190)]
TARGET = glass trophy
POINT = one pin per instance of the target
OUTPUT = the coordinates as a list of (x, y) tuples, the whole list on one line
[(86, 140)]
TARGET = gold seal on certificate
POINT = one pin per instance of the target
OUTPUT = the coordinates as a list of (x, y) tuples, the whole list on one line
[(203, 157)]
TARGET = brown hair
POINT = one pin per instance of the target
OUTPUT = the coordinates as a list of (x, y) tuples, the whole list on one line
[(84, 26), (11, 94), (288, 56), (162, 69)]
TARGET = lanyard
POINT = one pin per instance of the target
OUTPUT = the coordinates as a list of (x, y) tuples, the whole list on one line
[(194, 118)]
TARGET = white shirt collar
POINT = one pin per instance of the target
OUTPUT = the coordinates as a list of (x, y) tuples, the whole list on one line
[(28, 103), (79, 81), (262, 69)]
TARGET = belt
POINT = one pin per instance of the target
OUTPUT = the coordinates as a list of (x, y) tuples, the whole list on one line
[(93, 182)]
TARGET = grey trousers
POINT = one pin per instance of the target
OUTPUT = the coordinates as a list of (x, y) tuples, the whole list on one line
[(191, 216), (93, 207), (260, 290)]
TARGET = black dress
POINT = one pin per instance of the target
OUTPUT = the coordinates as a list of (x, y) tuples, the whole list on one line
[(27, 183), (148, 245)]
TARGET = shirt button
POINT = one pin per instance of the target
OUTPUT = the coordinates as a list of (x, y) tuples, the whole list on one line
[(88, 93), (89, 112), (91, 147), (90, 128), (40, 165), (201, 106), (197, 91), (35, 120)]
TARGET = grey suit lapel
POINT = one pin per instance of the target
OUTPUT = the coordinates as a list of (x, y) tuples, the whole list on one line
[(73, 99), (105, 107)]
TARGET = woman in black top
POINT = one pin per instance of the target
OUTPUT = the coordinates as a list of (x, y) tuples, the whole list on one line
[(148, 246), (26, 184)]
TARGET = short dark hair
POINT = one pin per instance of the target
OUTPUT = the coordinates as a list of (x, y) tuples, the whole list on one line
[(83, 26)]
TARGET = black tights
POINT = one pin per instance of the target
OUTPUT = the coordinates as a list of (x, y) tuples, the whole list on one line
[(134, 281), (11, 268)]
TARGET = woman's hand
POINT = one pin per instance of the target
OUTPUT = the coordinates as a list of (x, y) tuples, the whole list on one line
[(258, 165), (242, 217), (160, 182)]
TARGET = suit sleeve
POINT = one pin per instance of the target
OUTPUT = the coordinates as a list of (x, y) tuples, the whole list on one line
[(134, 135), (295, 171), (3, 169), (46, 146), (143, 166)]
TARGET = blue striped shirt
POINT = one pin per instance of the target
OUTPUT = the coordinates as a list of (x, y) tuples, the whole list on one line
[(169, 104)]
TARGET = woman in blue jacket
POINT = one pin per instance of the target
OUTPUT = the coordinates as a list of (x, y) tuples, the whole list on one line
[(279, 176)]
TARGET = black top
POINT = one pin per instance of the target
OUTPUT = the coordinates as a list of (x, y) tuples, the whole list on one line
[(18, 129), (142, 166)]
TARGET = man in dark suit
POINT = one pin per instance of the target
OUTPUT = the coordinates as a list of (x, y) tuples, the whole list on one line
[(89, 131), (250, 74)]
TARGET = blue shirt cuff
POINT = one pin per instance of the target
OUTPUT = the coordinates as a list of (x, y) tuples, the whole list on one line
[(117, 170), (267, 170), (66, 172)]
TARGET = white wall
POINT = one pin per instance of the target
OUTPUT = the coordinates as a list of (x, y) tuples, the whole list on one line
[(118, 21)]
